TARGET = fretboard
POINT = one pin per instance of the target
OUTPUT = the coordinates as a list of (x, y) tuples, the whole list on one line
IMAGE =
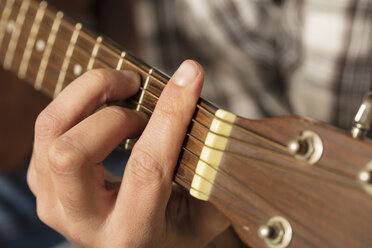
[(48, 50)]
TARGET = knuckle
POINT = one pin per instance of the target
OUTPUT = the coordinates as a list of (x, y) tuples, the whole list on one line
[(31, 179), (166, 110), (172, 105), (46, 213), (117, 112), (46, 125), (101, 80), (74, 233), (99, 76), (43, 212), (64, 157), (145, 167)]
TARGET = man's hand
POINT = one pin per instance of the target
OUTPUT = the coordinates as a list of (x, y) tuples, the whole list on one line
[(146, 210)]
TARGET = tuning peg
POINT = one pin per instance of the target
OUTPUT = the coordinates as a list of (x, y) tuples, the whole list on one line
[(298, 147), (365, 178), (308, 146), (276, 233), (363, 118)]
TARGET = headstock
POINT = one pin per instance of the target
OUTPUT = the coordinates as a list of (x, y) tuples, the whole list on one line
[(292, 182)]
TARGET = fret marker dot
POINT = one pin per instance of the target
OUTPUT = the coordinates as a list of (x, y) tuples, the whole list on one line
[(40, 45), (10, 27), (78, 69)]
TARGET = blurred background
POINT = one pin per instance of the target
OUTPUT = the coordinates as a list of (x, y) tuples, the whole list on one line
[(262, 58), (19, 107)]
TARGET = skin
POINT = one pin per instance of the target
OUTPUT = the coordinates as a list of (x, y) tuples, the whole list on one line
[(145, 210)]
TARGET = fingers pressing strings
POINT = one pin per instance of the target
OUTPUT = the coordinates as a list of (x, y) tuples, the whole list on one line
[(149, 172), (60, 132)]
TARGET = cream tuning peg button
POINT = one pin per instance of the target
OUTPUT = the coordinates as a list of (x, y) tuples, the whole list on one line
[(363, 118)]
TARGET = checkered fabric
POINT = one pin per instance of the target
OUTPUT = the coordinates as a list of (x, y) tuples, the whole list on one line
[(266, 58)]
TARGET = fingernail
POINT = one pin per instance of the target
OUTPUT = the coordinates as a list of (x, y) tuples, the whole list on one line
[(131, 76), (186, 73)]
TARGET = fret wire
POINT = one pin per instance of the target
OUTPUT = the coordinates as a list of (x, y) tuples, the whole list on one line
[(42, 28), (151, 93), (15, 34), (144, 89), (194, 154), (67, 59), (94, 53), (77, 48), (121, 60), (5, 18), (31, 41), (149, 76), (190, 135), (48, 50), (151, 110), (49, 13), (218, 186), (127, 142), (68, 26), (119, 57)]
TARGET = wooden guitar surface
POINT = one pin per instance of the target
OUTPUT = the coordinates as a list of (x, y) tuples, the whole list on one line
[(314, 192), (20, 103)]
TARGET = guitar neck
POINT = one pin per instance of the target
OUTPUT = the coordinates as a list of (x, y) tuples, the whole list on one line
[(48, 50), (317, 194)]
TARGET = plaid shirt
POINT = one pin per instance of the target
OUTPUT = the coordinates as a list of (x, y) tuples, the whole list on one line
[(266, 58)]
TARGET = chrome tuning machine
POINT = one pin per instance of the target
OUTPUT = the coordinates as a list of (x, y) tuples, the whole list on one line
[(363, 118)]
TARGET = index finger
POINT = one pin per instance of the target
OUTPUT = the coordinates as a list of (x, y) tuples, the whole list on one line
[(81, 98)]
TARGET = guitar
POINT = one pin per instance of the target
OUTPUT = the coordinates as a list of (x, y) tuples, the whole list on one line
[(283, 181)]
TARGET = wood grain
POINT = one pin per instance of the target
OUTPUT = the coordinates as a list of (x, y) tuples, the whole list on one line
[(325, 204)]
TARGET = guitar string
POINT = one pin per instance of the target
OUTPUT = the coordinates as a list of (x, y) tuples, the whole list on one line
[(69, 26), (235, 154), (227, 151), (257, 147), (93, 41), (97, 59), (194, 120), (220, 188), (223, 190), (240, 127), (108, 66), (272, 166), (105, 65)]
